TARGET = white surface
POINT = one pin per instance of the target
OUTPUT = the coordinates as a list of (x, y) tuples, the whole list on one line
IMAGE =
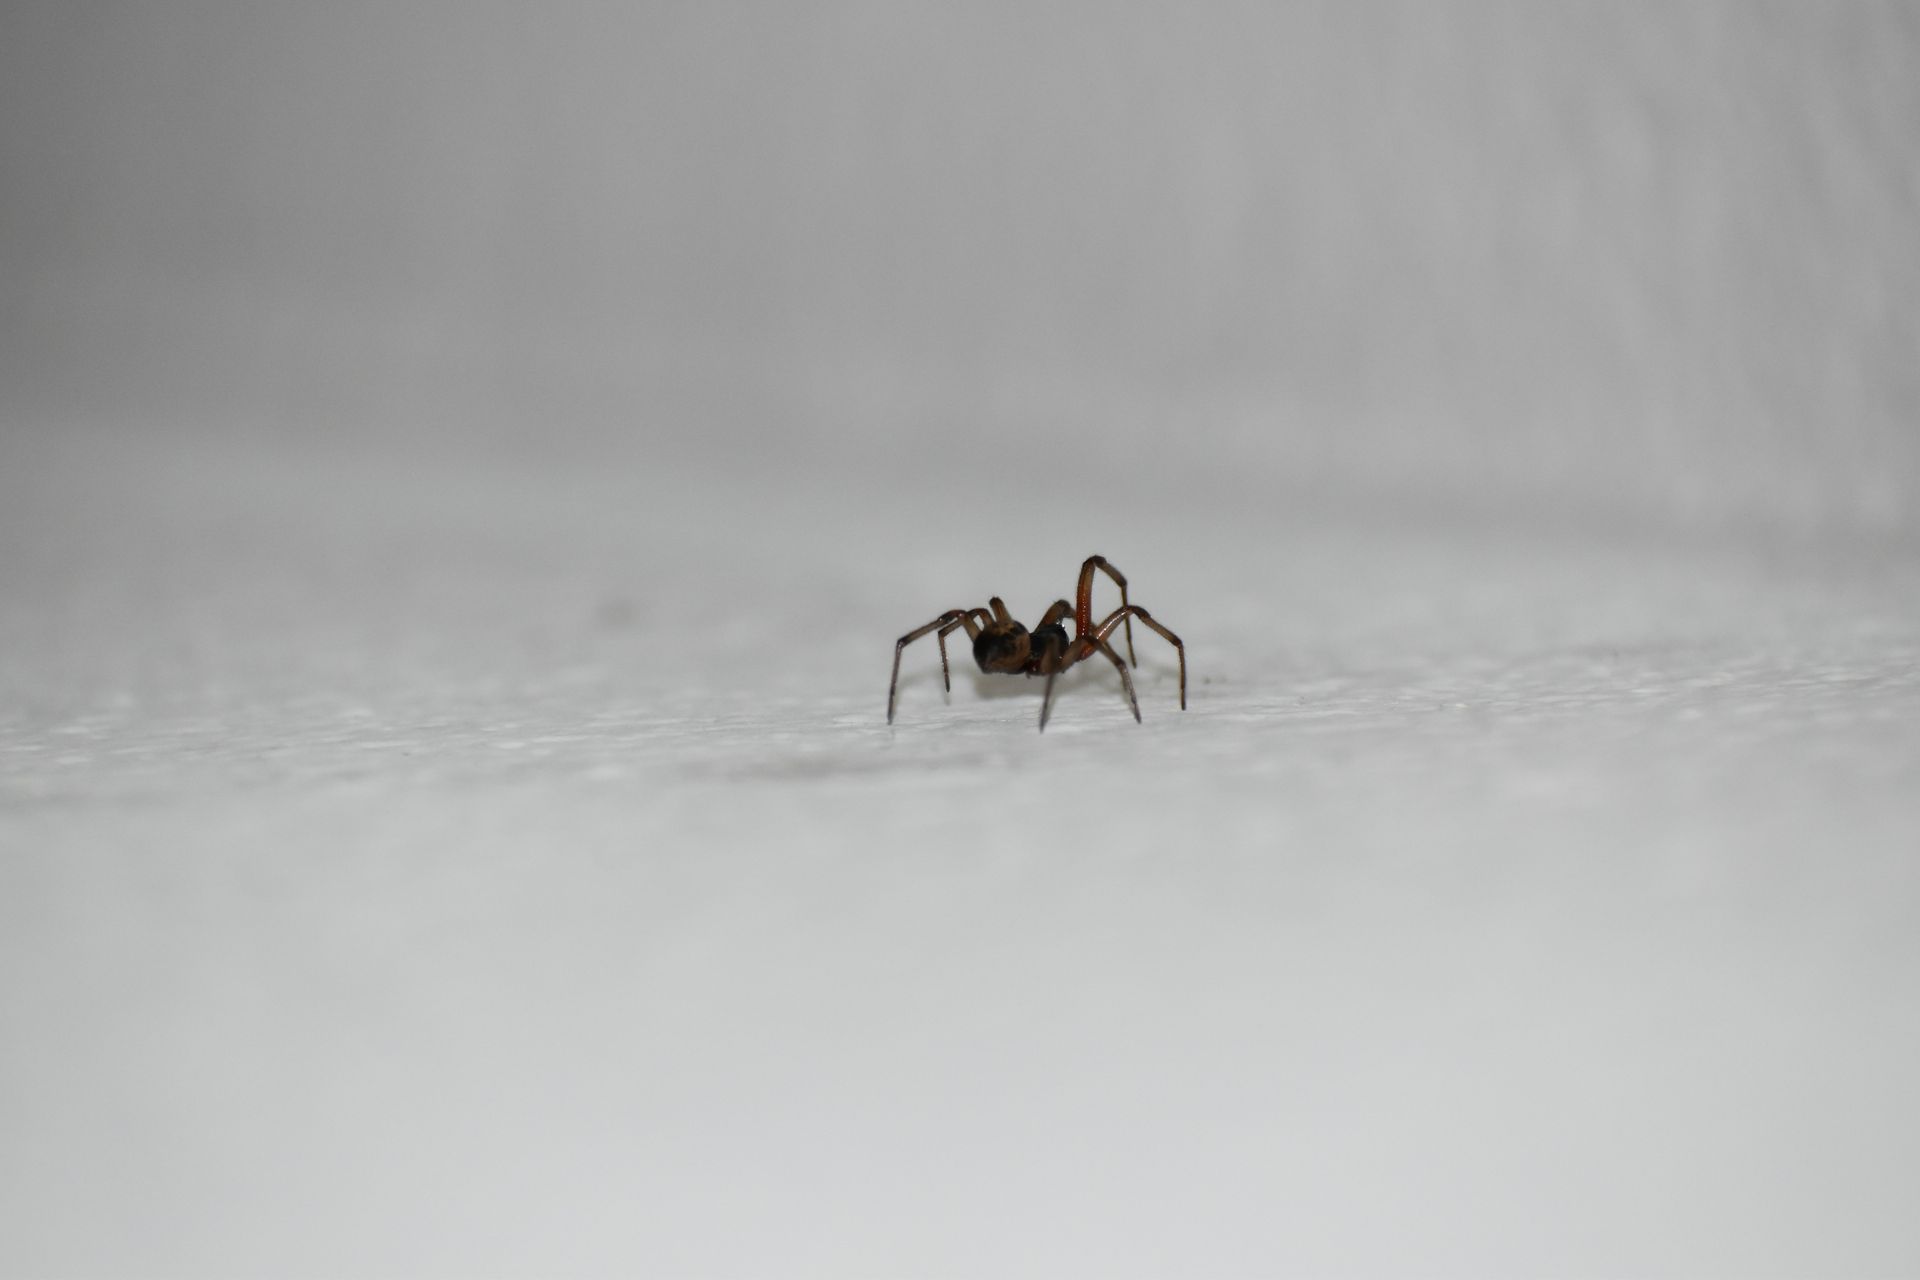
[(461, 477), (450, 869)]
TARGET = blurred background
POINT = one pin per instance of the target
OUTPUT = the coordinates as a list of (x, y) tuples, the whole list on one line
[(463, 466), (1651, 263)]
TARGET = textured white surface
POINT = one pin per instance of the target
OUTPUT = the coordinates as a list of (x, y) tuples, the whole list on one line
[(439, 869), (462, 474)]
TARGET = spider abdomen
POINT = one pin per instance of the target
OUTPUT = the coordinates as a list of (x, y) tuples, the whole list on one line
[(1047, 650)]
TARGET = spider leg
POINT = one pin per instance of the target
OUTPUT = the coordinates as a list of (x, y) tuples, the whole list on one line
[(1126, 611), (948, 620), (945, 678), (1126, 681), (1083, 613), (1080, 651), (1076, 650)]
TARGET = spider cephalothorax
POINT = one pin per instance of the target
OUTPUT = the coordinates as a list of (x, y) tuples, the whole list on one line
[(1002, 645)]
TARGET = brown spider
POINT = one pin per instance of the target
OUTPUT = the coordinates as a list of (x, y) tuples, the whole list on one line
[(1001, 644)]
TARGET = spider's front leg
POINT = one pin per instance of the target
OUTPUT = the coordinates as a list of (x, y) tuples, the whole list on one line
[(971, 619), (946, 622)]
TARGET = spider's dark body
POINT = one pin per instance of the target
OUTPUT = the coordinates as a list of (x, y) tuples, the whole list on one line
[(1011, 648), (1003, 645)]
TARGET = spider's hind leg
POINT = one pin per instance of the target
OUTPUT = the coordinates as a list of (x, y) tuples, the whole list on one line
[(1128, 611), (1077, 654), (1126, 681), (1083, 612)]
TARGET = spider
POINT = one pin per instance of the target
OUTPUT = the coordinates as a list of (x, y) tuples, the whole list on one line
[(1003, 645)]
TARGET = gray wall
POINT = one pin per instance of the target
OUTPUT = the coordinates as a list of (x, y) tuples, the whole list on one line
[(1659, 261)]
